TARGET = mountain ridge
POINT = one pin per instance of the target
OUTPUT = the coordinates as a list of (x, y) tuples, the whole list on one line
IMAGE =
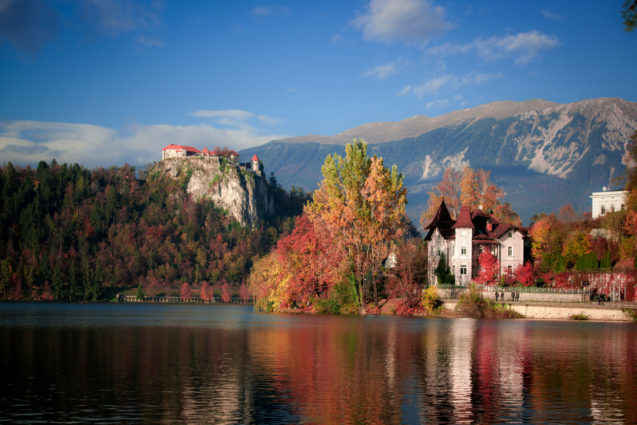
[(570, 150), (383, 131)]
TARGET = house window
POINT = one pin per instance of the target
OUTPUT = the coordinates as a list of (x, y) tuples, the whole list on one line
[(463, 250), (463, 269), (510, 234), (603, 210), (510, 270), (463, 233), (510, 251)]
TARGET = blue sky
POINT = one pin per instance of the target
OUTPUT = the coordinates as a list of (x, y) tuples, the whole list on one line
[(104, 82)]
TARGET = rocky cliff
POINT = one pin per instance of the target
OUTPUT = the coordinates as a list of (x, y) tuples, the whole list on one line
[(242, 193)]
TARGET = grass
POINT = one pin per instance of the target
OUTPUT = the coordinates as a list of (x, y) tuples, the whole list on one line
[(630, 312)]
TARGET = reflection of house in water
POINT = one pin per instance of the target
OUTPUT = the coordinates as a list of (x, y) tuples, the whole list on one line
[(460, 367)]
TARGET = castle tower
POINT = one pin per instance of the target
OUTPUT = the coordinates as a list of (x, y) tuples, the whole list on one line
[(462, 253), (255, 164)]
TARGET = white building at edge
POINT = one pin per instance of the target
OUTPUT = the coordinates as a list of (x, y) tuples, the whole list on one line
[(608, 201)]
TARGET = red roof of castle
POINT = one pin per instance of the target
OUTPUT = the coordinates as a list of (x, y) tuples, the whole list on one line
[(205, 149), (180, 147), (255, 157)]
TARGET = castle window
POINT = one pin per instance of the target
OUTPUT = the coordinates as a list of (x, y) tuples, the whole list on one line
[(510, 251), (463, 269), (463, 251), (603, 210)]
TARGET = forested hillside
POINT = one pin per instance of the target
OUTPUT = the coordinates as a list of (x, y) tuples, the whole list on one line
[(70, 233)]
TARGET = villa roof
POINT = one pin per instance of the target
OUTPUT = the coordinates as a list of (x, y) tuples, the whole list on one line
[(464, 219), (485, 227)]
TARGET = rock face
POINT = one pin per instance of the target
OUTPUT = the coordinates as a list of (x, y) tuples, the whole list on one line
[(544, 154), (241, 192)]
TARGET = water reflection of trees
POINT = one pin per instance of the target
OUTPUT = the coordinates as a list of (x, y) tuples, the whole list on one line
[(329, 370)]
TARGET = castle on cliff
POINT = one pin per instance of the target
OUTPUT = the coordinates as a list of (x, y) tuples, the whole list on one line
[(179, 151)]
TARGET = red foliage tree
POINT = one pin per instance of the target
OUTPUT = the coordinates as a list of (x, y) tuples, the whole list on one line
[(206, 292), (403, 277), (524, 274), (489, 268), (226, 293), (185, 292), (244, 292)]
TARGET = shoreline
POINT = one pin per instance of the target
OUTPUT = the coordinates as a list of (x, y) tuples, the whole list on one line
[(555, 311)]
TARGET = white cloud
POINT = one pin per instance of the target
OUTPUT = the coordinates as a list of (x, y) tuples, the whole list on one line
[(336, 38), (28, 142), (382, 71), (149, 41), (437, 103), (405, 91), (115, 17), (452, 81), (270, 10), (548, 14), (235, 114), (401, 20), (235, 117), (523, 47)]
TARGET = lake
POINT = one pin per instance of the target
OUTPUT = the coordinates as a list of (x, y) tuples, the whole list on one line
[(225, 364)]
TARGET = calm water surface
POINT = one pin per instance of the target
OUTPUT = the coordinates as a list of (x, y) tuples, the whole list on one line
[(128, 363)]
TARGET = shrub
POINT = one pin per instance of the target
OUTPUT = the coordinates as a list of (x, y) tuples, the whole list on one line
[(578, 316), (430, 300), (473, 304)]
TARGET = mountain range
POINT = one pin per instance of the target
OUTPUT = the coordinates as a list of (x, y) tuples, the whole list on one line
[(543, 154)]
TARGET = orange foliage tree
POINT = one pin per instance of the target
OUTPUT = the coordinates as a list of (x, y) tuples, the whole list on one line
[(362, 206), (354, 219), (472, 188)]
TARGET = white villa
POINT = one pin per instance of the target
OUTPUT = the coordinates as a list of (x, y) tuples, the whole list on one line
[(462, 241), (608, 201)]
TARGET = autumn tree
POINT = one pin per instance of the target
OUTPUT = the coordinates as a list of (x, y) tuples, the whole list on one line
[(577, 244), (449, 190), (406, 278), (524, 274), (629, 13), (472, 188), (362, 206), (185, 293), (489, 268), (477, 191), (226, 292), (206, 293)]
